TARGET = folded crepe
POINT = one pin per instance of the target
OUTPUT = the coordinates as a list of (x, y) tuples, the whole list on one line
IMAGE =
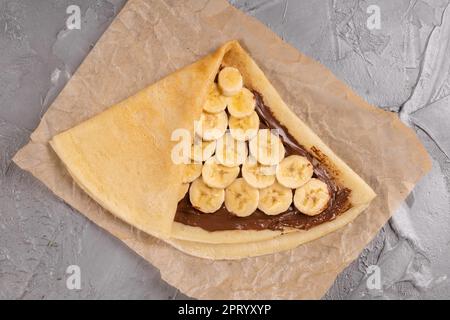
[(219, 206)]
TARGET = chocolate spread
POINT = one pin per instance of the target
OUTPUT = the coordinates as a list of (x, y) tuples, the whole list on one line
[(224, 220)]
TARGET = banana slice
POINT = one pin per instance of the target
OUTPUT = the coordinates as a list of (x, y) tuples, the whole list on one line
[(275, 199), (267, 147), (204, 198), (258, 175), (191, 172), (230, 81), (211, 126), (216, 175), (242, 104), (243, 129), (230, 152), (183, 190), (202, 150), (215, 101), (241, 198), (294, 171), (312, 198)]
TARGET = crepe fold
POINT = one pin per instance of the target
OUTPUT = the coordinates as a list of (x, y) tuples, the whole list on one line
[(122, 159)]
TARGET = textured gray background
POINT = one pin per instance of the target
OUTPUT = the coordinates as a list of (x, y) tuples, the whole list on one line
[(403, 67)]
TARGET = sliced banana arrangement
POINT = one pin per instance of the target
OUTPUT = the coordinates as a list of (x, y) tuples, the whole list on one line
[(215, 102), (205, 198), (294, 171), (267, 147), (242, 104), (202, 150), (212, 125), (243, 129), (216, 175), (274, 199), (241, 198), (258, 175), (230, 81), (191, 172), (230, 152), (312, 198), (270, 181)]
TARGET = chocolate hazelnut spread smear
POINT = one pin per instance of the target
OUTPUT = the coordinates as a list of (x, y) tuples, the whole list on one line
[(293, 218)]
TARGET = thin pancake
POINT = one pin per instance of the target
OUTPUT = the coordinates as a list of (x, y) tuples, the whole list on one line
[(121, 158)]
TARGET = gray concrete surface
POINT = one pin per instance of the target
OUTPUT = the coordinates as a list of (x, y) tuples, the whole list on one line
[(402, 67)]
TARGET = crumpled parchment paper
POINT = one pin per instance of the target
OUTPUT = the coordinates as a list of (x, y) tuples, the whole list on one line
[(152, 38)]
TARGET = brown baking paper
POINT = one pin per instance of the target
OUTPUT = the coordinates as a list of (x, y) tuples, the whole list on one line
[(150, 39)]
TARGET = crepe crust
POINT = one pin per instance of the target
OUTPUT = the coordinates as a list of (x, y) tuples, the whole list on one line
[(121, 158)]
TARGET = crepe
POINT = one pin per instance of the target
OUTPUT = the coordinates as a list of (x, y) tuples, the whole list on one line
[(122, 159)]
